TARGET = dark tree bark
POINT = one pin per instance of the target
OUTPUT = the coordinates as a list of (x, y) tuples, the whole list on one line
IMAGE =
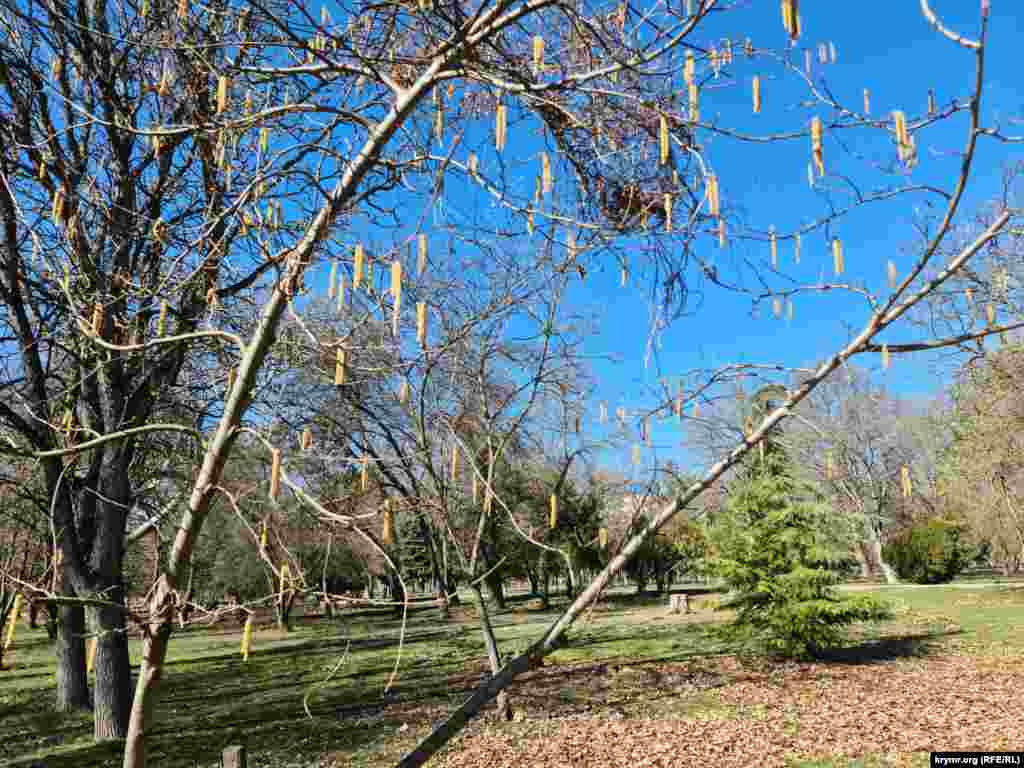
[(72, 683), (113, 700)]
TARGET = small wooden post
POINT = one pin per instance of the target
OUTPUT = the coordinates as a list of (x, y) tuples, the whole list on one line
[(680, 603), (233, 757)]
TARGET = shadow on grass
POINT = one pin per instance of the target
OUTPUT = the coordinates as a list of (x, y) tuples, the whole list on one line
[(888, 649)]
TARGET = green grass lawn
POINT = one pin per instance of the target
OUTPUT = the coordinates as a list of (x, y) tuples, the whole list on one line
[(619, 659)]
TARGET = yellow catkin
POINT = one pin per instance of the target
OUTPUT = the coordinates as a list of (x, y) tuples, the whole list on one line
[(553, 512), (714, 201), (222, 94), (900, 123), (796, 248), (475, 488), (421, 323), (97, 319), (773, 241), (396, 294), (57, 209), (264, 140), (777, 308), (364, 474), (668, 211), (891, 269), (791, 17), (816, 146), (602, 537), (756, 85), (696, 409), (694, 97), (332, 285), (455, 463), (275, 473), (339, 368), (422, 253), (247, 638), (990, 314), (341, 293), (263, 536), (636, 454), (830, 469), (721, 233), (538, 54), (548, 178), (307, 439), (867, 102), (286, 578), (500, 127), (688, 68), (663, 140), (906, 482), (12, 621), (161, 323), (885, 357), (386, 531), (90, 656), (837, 255), (403, 392), (472, 164), (357, 267)]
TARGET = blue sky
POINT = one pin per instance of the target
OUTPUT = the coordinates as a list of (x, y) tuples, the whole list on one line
[(889, 49)]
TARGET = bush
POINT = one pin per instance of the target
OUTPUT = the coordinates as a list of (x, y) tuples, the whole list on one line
[(929, 553)]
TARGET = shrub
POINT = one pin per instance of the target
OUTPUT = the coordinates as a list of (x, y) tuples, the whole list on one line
[(932, 552)]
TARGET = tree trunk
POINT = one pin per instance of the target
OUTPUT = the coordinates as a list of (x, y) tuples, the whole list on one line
[(113, 698), (862, 558), (493, 656), (154, 650), (496, 587), (51, 621), (72, 683), (545, 582), (397, 593), (284, 610), (874, 548)]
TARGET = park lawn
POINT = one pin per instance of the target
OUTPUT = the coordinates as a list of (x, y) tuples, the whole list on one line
[(634, 683)]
